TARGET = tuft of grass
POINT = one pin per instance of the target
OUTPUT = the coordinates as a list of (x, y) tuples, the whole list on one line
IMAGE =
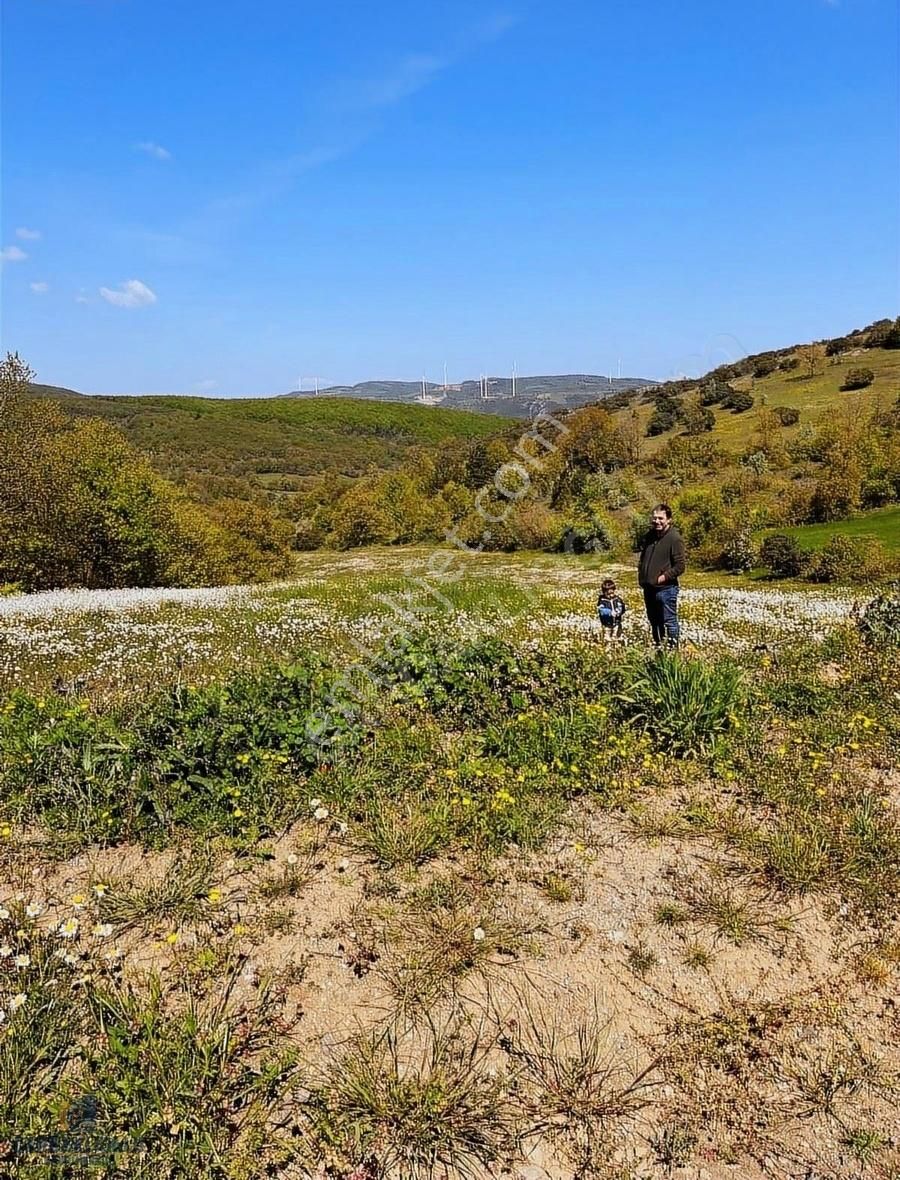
[(411, 1107), (641, 960), (735, 914), (404, 833), (180, 895), (864, 1143), (573, 1083), (698, 957), (687, 705), (671, 914), (437, 948), (558, 886)]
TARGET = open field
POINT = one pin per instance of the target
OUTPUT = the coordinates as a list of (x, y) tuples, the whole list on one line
[(484, 899), (881, 523)]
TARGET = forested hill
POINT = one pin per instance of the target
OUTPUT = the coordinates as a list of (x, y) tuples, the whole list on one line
[(276, 443)]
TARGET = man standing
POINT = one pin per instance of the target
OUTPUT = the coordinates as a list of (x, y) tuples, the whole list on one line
[(661, 565)]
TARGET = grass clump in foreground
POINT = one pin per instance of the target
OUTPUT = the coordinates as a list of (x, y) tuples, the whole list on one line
[(416, 1105)]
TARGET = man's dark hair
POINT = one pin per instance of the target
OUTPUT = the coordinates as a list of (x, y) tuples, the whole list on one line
[(664, 508)]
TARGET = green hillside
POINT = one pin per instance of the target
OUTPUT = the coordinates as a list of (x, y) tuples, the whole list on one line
[(276, 442), (881, 523), (811, 396)]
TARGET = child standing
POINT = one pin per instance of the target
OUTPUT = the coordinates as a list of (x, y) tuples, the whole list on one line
[(610, 611)]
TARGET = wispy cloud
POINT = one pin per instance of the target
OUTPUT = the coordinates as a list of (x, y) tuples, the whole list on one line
[(156, 150), (40, 288), (82, 296), (411, 73), (131, 293), (346, 115), (206, 386), (12, 254), (28, 235)]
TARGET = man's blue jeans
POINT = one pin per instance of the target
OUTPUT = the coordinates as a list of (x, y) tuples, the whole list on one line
[(661, 603)]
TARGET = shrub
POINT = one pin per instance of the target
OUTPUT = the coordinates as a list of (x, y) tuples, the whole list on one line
[(786, 415), (764, 366), (850, 559), (782, 555), (880, 621), (663, 418), (739, 553), (789, 363), (687, 706), (738, 400), (713, 392), (591, 537), (858, 379)]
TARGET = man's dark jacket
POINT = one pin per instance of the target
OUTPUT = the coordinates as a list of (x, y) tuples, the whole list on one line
[(661, 553)]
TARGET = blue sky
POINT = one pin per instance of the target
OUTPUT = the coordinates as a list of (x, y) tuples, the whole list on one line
[(221, 197)]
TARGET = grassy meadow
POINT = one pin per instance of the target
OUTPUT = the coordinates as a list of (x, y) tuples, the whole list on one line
[(881, 523), (815, 397), (366, 874)]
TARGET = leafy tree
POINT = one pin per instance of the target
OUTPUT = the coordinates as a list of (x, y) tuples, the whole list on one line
[(697, 418), (764, 366), (80, 506), (812, 358), (360, 520), (594, 443), (664, 416)]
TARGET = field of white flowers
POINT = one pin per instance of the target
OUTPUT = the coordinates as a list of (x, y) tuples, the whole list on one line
[(120, 640)]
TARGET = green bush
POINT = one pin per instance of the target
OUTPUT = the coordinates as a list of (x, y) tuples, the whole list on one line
[(739, 553), (687, 706), (786, 415), (858, 379), (850, 559), (782, 555), (226, 759), (880, 621), (586, 537), (738, 400)]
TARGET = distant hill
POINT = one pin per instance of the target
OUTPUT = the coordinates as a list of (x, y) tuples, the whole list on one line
[(276, 444), (494, 395)]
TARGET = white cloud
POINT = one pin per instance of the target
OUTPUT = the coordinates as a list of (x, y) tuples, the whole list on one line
[(132, 293), (40, 288), (28, 235), (12, 254), (82, 296), (157, 151)]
